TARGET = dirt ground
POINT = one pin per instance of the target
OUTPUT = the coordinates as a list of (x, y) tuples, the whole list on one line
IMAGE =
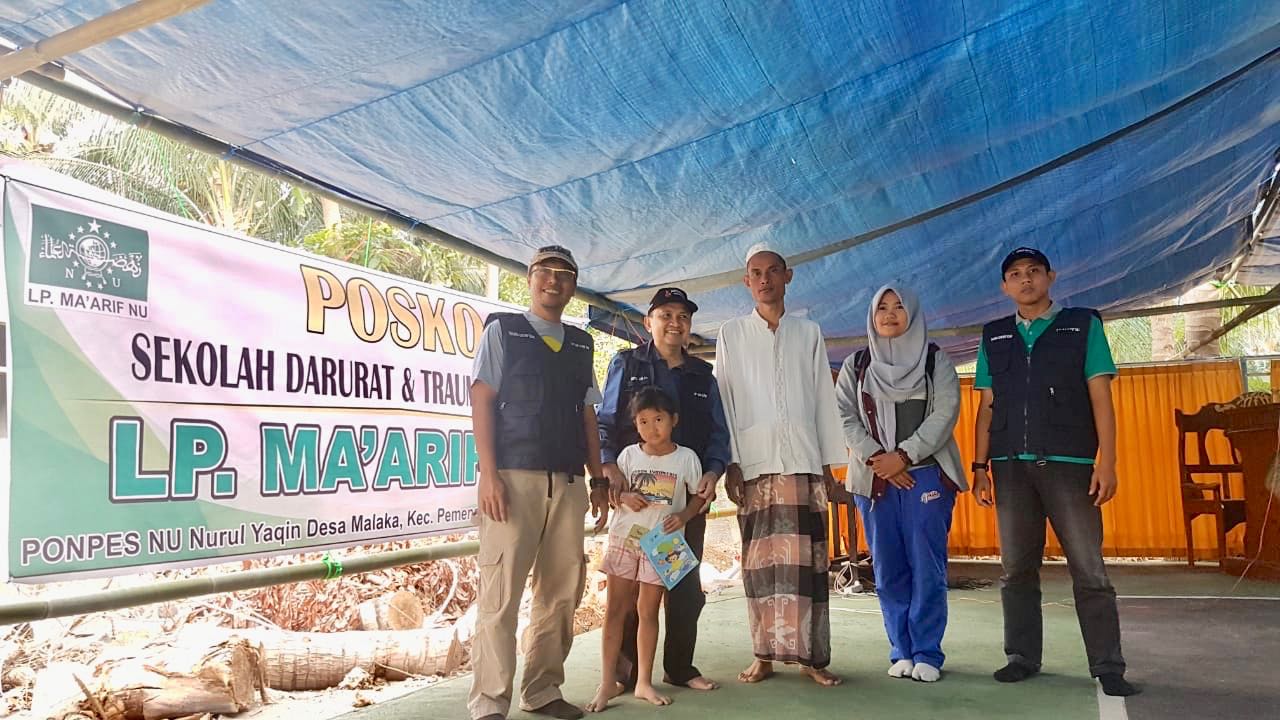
[(447, 589)]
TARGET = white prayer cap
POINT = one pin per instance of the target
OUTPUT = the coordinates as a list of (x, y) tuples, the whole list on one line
[(763, 246)]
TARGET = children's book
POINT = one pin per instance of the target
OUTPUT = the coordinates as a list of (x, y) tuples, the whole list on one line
[(670, 554)]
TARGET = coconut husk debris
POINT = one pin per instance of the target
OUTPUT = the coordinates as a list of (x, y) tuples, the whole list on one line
[(371, 606)]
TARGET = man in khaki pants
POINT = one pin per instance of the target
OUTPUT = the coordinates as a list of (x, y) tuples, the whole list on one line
[(535, 429)]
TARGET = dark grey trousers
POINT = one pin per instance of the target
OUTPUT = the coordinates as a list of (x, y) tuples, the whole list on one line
[(1026, 495)]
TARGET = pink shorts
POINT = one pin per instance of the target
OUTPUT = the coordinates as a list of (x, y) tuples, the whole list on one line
[(629, 564)]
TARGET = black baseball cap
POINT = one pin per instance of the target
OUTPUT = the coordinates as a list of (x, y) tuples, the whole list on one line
[(669, 295), (1024, 253)]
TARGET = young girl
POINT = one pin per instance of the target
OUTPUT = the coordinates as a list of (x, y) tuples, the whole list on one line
[(660, 475), (899, 401)]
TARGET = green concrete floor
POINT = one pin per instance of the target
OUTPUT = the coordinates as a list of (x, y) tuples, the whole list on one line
[(860, 654)]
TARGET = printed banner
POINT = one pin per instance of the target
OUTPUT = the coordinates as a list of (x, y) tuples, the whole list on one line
[(179, 395)]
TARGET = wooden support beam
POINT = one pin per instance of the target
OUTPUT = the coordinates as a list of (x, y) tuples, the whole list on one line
[(49, 70), (131, 17)]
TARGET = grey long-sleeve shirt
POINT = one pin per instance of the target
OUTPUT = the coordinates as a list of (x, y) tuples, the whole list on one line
[(935, 436)]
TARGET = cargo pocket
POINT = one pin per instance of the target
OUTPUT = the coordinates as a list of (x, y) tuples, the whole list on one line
[(582, 584), (493, 588)]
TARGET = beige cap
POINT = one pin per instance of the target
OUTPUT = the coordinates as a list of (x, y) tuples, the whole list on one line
[(554, 252)]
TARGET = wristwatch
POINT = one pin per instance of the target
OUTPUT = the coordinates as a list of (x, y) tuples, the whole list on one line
[(597, 483), (984, 465)]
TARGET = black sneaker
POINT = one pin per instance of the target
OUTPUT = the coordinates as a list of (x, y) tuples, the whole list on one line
[(1114, 684), (1014, 672)]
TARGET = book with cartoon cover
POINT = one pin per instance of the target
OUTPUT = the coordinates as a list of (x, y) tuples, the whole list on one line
[(670, 554)]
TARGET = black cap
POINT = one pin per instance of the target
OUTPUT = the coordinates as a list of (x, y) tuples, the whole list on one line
[(1024, 253), (669, 295)]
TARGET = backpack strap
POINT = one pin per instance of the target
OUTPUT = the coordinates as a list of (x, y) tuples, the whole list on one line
[(861, 361)]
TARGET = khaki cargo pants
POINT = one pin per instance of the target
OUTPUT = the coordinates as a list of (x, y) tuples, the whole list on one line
[(543, 533)]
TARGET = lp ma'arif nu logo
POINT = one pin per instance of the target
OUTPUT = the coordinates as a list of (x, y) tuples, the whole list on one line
[(80, 262)]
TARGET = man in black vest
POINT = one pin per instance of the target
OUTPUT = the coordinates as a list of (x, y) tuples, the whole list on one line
[(664, 362), (535, 428), (1047, 426)]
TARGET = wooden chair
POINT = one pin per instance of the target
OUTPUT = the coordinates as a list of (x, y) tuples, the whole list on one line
[(1207, 498)]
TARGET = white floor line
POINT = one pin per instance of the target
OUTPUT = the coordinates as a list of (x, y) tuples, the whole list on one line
[(856, 612), (1110, 708), (1198, 597)]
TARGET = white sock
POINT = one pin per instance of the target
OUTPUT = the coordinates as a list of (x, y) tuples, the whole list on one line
[(924, 672), (901, 669)]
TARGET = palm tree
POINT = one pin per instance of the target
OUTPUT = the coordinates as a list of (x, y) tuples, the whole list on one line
[(43, 128), (1201, 324), (142, 166)]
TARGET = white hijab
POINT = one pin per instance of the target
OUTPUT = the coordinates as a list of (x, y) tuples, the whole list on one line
[(897, 369)]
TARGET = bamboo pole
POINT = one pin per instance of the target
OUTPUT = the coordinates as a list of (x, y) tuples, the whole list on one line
[(42, 609), (81, 37), (974, 330)]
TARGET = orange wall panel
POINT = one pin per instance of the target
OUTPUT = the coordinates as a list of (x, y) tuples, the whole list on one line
[(1145, 518)]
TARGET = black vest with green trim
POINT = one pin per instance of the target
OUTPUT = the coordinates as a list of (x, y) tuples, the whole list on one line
[(1041, 401), (540, 403), (693, 404)]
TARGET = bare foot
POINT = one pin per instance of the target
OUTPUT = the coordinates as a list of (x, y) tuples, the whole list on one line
[(759, 670), (702, 683), (603, 697), (821, 676), (648, 694)]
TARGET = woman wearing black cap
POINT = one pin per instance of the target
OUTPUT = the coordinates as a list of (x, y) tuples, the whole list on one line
[(664, 362)]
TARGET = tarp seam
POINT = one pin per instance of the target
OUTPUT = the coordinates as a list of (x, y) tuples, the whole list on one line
[(706, 282)]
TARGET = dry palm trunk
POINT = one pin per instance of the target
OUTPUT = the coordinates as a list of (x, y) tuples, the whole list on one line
[(399, 610), (224, 671), (172, 682), (314, 661)]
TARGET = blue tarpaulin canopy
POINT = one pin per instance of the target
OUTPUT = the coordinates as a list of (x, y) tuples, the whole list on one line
[(867, 140)]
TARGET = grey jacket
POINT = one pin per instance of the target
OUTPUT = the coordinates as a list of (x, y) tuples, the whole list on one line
[(934, 437)]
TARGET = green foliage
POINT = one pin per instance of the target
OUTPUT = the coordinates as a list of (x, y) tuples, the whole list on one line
[(42, 128), (1259, 336), (378, 246), (1130, 339), (514, 289)]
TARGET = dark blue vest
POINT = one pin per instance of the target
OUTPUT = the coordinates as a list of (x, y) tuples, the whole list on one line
[(694, 402), (1041, 399), (540, 403)]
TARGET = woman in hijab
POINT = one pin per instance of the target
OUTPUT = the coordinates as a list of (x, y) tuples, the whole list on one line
[(899, 400)]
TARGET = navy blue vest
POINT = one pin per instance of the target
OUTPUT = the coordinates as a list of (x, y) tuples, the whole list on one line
[(1041, 401), (540, 402), (694, 403)]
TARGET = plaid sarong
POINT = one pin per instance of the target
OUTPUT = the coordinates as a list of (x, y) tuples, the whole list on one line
[(784, 564)]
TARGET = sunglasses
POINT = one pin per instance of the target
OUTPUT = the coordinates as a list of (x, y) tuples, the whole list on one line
[(542, 272)]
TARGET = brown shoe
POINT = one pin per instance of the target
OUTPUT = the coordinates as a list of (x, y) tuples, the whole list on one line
[(560, 709)]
